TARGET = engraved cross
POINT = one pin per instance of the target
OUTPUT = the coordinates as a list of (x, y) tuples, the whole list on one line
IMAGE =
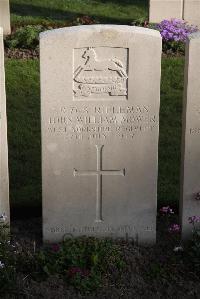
[(99, 173)]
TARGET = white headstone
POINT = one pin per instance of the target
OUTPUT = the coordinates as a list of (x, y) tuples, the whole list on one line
[(4, 194), (100, 89), (190, 174), (192, 12), (165, 9), (5, 16)]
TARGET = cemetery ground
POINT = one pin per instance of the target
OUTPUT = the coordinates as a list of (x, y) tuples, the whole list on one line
[(86, 267), (63, 12)]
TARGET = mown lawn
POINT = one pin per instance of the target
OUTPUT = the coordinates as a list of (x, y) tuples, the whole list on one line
[(23, 111), (106, 11), (170, 130), (23, 105)]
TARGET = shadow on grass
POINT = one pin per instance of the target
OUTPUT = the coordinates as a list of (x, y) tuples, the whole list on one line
[(25, 10), (24, 137)]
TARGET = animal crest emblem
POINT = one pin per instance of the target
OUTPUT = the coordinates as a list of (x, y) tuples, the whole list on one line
[(100, 76)]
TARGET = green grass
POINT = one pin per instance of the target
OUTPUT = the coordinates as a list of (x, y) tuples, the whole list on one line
[(113, 11), (23, 110), (23, 105), (170, 130)]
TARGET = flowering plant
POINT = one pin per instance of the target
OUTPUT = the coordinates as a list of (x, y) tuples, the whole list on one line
[(174, 33), (166, 210), (175, 30), (194, 219), (195, 242), (7, 257), (82, 261), (174, 228)]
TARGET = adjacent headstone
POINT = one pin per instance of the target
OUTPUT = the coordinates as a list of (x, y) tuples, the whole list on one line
[(192, 12), (190, 173), (5, 16), (165, 9), (4, 194), (100, 92)]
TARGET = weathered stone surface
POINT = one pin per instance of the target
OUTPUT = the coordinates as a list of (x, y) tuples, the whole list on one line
[(4, 196), (5, 16), (190, 173), (100, 89), (192, 12), (165, 9)]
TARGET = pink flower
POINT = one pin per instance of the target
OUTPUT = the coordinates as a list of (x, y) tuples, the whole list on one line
[(85, 272), (74, 270), (166, 210), (174, 228), (55, 247)]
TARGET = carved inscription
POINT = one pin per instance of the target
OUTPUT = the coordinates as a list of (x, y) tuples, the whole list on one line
[(99, 172), (101, 122), (194, 131), (100, 73), (196, 119), (96, 229)]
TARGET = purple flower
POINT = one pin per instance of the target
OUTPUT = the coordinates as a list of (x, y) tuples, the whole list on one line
[(175, 30), (166, 210), (174, 228), (194, 219)]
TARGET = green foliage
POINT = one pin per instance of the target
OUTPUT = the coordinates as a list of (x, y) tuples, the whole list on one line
[(156, 271), (82, 261), (7, 261), (25, 37), (174, 47), (139, 22), (191, 252), (195, 245)]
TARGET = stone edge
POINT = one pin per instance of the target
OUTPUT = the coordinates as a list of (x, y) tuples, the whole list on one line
[(98, 28), (195, 35)]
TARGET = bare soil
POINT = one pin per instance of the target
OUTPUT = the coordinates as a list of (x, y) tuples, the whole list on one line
[(22, 53)]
